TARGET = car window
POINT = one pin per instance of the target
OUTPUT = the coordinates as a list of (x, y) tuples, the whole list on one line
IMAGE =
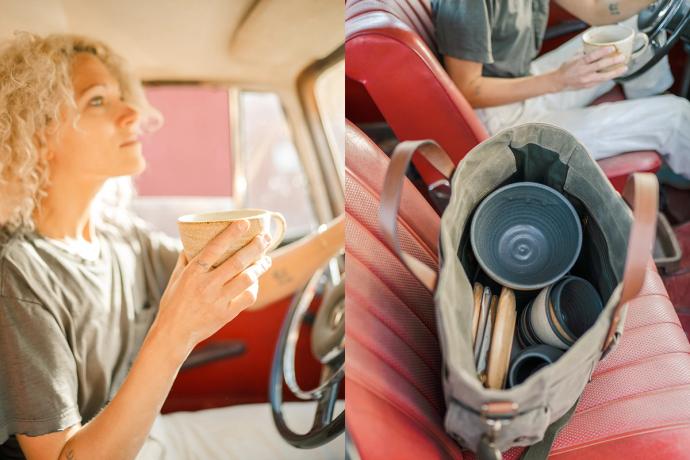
[(271, 166), (191, 166), (189, 159)]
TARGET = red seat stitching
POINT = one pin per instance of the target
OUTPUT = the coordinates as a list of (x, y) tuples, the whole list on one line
[(378, 275), (442, 439), (376, 198), (363, 303), (630, 397), (352, 335), (568, 449)]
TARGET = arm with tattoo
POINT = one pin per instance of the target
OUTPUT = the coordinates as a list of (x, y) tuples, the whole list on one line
[(613, 9), (600, 12), (481, 91), (294, 264)]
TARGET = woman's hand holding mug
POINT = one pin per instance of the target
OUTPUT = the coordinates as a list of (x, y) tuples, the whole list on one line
[(200, 299)]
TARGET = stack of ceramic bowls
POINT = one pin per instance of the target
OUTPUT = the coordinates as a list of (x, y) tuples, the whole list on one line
[(527, 236)]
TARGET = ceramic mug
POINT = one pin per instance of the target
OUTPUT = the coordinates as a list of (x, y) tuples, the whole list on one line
[(620, 37), (196, 230), (528, 361), (561, 313)]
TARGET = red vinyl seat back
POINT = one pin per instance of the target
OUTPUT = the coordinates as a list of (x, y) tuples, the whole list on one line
[(389, 50), (637, 405), (392, 68), (393, 367)]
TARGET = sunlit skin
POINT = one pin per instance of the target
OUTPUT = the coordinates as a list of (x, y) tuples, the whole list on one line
[(92, 143), (87, 146), (581, 71)]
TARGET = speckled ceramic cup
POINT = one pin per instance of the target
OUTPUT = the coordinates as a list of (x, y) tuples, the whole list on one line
[(563, 312), (620, 37), (196, 230)]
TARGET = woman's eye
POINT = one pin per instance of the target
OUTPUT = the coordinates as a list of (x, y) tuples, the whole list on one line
[(96, 101)]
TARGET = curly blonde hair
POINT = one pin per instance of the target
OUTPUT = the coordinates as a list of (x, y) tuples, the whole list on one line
[(35, 84)]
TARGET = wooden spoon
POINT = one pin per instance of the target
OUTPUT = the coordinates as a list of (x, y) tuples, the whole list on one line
[(478, 291), (502, 340)]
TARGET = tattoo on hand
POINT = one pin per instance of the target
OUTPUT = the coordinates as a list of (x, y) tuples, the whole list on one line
[(613, 9)]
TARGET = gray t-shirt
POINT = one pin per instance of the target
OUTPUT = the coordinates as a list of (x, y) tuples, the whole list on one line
[(504, 35), (70, 326)]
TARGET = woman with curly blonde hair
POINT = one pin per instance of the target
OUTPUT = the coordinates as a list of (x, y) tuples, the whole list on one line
[(98, 313), (36, 88)]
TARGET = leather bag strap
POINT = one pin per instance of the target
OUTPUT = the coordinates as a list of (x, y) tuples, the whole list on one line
[(392, 192), (642, 194)]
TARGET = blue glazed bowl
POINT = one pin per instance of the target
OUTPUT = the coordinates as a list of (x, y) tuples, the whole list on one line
[(526, 235)]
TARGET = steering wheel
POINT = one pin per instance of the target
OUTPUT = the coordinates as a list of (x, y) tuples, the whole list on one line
[(327, 344), (670, 15)]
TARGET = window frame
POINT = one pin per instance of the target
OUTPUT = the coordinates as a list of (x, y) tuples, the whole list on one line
[(306, 84), (298, 101), (302, 147)]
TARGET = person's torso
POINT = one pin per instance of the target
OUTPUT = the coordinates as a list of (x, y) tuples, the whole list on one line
[(102, 305), (517, 33)]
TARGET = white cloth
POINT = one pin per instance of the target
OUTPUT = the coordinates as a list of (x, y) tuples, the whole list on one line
[(647, 122), (240, 432)]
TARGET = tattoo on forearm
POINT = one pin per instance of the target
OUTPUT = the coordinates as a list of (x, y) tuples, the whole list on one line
[(70, 454), (614, 10), (281, 276), (476, 85)]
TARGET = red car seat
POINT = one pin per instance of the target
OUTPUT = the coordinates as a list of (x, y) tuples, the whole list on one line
[(637, 405), (392, 68)]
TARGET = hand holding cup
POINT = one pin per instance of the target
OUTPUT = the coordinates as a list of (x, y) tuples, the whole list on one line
[(203, 295)]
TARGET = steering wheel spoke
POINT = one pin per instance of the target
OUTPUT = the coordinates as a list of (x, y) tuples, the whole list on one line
[(327, 346), (326, 405)]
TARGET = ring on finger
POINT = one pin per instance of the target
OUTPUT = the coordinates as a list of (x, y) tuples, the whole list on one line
[(205, 265)]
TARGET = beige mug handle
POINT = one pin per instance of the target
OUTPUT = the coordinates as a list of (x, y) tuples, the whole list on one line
[(638, 52), (277, 239)]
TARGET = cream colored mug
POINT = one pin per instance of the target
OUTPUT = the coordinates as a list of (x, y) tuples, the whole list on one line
[(620, 37), (196, 230)]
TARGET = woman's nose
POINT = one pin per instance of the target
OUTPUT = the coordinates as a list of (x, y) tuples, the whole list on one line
[(129, 116)]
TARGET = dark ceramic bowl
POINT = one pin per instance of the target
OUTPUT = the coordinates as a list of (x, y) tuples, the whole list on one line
[(529, 361), (526, 235)]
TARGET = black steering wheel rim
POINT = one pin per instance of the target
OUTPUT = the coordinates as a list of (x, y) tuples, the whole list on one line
[(324, 427), (666, 13), (655, 18)]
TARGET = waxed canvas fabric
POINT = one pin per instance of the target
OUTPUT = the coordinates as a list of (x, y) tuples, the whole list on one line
[(549, 155)]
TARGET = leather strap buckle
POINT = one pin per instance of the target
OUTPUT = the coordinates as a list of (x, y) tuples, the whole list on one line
[(494, 414), (499, 410)]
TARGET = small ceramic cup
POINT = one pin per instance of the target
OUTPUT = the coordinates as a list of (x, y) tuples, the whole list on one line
[(196, 230), (620, 37), (561, 313), (529, 361)]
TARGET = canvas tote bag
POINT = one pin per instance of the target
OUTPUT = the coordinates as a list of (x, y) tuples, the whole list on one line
[(615, 251)]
